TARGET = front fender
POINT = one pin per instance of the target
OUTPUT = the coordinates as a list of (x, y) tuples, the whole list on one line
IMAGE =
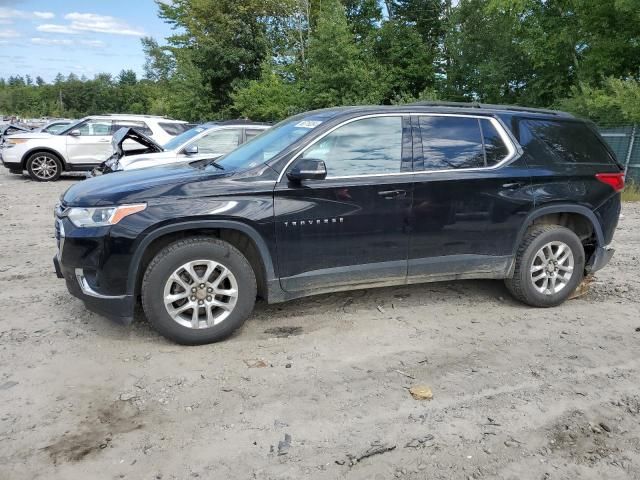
[(263, 250)]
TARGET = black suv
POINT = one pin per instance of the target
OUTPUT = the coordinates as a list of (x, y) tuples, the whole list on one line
[(346, 198)]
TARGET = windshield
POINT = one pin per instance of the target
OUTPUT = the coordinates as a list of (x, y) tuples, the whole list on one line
[(177, 142), (270, 143)]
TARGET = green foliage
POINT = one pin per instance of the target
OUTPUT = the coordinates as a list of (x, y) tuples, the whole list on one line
[(615, 102), (337, 71), (268, 99)]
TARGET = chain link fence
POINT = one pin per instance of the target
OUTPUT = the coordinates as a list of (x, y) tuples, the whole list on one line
[(625, 142)]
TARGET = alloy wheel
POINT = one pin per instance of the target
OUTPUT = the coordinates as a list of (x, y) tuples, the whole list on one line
[(552, 268), (44, 167), (200, 294)]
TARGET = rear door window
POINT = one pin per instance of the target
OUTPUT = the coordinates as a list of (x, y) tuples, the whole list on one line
[(219, 141), (565, 141), (95, 128), (452, 143)]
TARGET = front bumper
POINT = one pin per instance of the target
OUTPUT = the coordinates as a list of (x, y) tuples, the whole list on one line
[(81, 276), (600, 258), (118, 308)]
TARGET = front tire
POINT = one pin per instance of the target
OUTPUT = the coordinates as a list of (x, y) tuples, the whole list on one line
[(198, 290), (549, 266), (44, 167)]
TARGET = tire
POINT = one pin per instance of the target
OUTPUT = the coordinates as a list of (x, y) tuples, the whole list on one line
[(530, 265), (219, 315), (44, 167)]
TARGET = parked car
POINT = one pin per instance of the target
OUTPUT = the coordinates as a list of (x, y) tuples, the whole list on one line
[(344, 198), (81, 146), (54, 127), (209, 140), (10, 129)]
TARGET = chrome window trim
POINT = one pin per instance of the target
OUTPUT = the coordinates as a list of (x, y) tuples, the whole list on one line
[(511, 147)]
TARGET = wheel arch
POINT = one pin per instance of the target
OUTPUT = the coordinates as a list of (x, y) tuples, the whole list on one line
[(562, 214), (240, 235), (50, 150)]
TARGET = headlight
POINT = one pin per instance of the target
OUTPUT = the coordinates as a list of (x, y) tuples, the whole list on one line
[(102, 216), (16, 141)]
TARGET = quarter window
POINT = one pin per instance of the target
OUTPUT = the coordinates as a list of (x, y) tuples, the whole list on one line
[(139, 126), (460, 142), (567, 141), (363, 147), (251, 133)]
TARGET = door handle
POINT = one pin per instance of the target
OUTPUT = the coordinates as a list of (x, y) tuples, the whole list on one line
[(104, 141), (389, 194)]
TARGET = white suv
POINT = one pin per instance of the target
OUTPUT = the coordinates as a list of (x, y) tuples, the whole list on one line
[(81, 146)]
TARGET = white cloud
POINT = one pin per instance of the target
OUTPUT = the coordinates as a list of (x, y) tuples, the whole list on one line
[(44, 15), (93, 43), (53, 28), (91, 22), (9, 34), (51, 41), (6, 13)]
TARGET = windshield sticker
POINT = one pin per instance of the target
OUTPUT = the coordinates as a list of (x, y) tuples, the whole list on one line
[(308, 124)]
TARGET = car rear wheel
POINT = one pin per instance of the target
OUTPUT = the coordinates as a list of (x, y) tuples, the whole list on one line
[(198, 290), (549, 266), (44, 167)]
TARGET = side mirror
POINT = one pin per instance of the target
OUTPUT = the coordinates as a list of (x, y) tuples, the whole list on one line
[(74, 133), (191, 150), (308, 169)]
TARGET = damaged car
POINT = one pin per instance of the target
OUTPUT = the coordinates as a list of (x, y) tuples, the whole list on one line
[(207, 141)]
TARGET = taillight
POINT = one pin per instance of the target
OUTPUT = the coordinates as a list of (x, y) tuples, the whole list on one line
[(614, 180)]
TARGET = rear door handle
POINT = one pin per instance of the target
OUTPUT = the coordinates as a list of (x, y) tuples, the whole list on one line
[(389, 194)]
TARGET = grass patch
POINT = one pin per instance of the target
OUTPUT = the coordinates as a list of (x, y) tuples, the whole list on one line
[(631, 193)]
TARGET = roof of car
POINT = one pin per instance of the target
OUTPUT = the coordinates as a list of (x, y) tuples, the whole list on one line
[(440, 107), (242, 122), (133, 115)]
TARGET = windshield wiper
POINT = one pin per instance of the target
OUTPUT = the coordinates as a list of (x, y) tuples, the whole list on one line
[(213, 162)]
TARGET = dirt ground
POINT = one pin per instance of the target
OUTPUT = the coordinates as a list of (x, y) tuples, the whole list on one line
[(307, 388)]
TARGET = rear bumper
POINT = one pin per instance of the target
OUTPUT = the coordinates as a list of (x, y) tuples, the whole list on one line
[(600, 259)]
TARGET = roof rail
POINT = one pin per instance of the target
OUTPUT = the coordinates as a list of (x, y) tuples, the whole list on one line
[(489, 106)]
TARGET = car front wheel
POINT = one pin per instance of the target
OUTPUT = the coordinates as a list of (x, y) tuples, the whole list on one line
[(549, 266), (44, 167), (198, 290)]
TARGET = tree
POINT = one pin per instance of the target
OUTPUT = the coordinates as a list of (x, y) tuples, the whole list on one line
[(337, 72)]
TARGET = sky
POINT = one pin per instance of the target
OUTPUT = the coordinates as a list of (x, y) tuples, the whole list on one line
[(44, 37)]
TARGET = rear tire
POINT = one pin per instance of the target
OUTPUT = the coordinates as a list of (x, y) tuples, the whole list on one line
[(44, 167), (549, 266), (198, 290)]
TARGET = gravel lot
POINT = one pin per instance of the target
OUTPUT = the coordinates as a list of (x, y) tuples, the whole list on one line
[(308, 387)]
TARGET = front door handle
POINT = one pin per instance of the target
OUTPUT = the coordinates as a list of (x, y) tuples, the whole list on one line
[(390, 194)]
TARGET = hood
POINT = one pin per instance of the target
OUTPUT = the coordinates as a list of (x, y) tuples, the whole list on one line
[(148, 145), (30, 135), (133, 159), (135, 186)]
